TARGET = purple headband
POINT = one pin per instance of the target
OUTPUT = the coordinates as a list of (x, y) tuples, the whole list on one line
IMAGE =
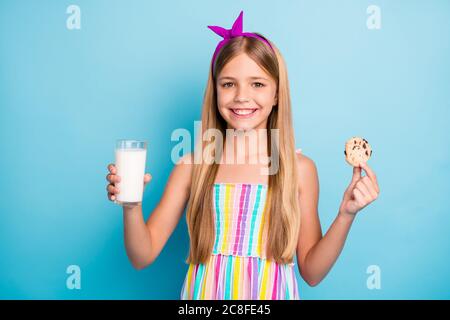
[(234, 32)]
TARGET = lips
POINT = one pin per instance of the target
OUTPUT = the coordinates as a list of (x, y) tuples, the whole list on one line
[(244, 112)]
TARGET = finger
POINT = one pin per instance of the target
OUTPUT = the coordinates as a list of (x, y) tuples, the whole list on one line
[(359, 198), (110, 177), (113, 178), (112, 189), (356, 174), (364, 191), (112, 168), (111, 196), (355, 178), (370, 174), (370, 187), (147, 177)]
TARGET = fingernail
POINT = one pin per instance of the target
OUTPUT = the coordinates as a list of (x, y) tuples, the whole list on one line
[(113, 198)]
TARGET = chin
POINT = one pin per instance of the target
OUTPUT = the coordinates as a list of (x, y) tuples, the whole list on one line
[(241, 125)]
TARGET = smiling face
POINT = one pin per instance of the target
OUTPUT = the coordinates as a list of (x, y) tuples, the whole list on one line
[(246, 94)]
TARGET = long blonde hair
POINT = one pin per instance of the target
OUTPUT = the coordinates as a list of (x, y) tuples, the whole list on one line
[(282, 201)]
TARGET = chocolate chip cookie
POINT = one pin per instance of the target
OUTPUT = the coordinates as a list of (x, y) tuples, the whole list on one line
[(357, 150)]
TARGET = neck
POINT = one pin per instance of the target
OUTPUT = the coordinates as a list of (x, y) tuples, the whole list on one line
[(245, 147)]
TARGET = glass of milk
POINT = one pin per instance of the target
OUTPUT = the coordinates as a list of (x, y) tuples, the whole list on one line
[(130, 165)]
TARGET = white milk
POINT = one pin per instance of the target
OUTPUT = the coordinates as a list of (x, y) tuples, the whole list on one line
[(130, 164)]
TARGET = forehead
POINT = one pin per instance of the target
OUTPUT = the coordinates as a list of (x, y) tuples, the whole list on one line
[(242, 66)]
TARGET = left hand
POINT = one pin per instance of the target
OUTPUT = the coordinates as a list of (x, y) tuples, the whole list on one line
[(361, 191)]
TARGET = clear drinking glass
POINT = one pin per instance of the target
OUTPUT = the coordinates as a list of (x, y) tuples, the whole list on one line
[(130, 164)]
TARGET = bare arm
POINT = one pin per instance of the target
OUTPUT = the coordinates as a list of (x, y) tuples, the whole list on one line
[(316, 255), (145, 240)]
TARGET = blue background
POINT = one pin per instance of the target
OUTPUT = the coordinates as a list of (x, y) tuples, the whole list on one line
[(138, 69)]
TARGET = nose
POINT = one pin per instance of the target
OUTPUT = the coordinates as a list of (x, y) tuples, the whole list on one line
[(241, 100), (241, 95)]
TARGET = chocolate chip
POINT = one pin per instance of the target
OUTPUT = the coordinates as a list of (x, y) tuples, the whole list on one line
[(366, 153), (370, 152), (345, 152), (364, 145)]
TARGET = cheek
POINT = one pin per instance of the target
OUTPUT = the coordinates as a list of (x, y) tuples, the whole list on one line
[(224, 97), (221, 103), (266, 99), (266, 111)]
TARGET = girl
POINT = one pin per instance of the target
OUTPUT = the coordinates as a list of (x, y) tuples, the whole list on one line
[(246, 227)]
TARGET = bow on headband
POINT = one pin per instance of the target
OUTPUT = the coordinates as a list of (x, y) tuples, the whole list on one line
[(234, 32)]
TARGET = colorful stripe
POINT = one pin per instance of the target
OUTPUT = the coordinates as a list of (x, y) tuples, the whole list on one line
[(238, 268), (240, 279), (253, 219), (239, 213)]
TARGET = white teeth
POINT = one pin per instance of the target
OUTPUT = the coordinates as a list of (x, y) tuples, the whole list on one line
[(243, 111)]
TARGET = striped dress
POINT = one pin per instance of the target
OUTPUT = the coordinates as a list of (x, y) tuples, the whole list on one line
[(238, 268)]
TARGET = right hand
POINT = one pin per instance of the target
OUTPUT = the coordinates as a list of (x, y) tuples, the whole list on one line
[(113, 178)]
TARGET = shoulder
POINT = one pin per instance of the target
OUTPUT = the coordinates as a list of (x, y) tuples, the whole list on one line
[(307, 171), (304, 162)]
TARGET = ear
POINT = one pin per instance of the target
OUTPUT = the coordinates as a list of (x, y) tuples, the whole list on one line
[(276, 100)]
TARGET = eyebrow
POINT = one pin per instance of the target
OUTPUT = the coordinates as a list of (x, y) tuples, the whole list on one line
[(252, 78)]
